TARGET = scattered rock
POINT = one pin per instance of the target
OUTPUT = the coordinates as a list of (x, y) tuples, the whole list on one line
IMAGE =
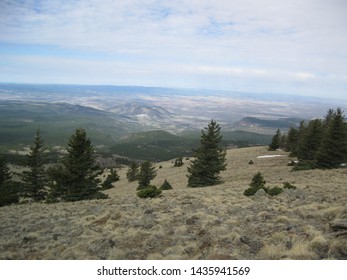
[(192, 220), (202, 232), (216, 222), (339, 233), (55, 236), (260, 192), (28, 239), (149, 211), (244, 239), (343, 252), (289, 244), (205, 244), (146, 222), (339, 225), (254, 245), (101, 247)]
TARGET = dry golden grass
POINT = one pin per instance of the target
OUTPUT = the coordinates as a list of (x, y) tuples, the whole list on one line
[(216, 222)]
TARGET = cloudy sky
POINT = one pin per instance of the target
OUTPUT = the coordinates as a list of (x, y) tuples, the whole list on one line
[(288, 46)]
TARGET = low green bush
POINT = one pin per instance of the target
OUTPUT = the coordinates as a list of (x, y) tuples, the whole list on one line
[(250, 191), (149, 192), (289, 186), (274, 191)]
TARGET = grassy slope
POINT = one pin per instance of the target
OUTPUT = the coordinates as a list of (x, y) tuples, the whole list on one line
[(208, 223), (159, 145)]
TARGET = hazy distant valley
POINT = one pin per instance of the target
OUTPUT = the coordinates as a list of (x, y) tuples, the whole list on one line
[(131, 121)]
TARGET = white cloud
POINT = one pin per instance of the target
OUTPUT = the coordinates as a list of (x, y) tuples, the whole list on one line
[(263, 43), (304, 76)]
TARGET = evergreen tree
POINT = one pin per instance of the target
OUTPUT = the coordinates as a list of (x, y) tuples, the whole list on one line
[(147, 173), (258, 181), (292, 140), (209, 158), (331, 114), (256, 184), (35, 179), (300, 140), (311, 140), (333, 149), (166, 186), (276, 141), (8, 188), (111, 178), (133, 172), (283, 142), (76, 177), (5, 173)]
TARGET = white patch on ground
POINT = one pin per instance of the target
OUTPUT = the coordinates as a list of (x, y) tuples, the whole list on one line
[(270, 156)]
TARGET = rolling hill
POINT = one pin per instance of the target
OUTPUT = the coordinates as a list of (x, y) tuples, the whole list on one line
[(254, 124), (57, 121)]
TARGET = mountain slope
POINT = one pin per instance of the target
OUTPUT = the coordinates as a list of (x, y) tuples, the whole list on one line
[(216, 222), (57, 121), (141, 112), (266, 125)]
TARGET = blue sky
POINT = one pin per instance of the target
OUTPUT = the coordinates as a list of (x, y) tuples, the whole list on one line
[(289, 46)]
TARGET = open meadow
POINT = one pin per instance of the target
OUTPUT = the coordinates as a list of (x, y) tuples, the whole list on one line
[(216, 222)]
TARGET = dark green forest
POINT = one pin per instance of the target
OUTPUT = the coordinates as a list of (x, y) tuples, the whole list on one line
[(318, 143)]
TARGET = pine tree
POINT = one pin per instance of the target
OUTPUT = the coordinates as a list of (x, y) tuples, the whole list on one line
[(166, 186), (147, 173), (5, 173), (111, 178), (283, 142), (133, 172), (300, 139), (76, 178), (292, 140), (258, 181), (8, 188), (276, 141), (333, 149), (311, 140), (35, 179), (256, 184), (209, 158), (329, 117)]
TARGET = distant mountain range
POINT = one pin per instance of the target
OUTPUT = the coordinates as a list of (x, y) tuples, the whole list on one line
[(266, 125)]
